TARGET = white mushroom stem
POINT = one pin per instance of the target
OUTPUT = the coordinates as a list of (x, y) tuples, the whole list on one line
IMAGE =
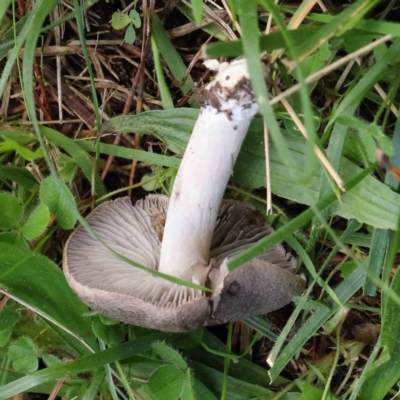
[(229, 106)]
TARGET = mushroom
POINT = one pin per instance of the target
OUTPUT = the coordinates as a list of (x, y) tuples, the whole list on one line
[(190, 235)]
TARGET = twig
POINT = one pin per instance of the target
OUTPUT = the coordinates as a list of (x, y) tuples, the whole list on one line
[(329, 68), (318, 152)]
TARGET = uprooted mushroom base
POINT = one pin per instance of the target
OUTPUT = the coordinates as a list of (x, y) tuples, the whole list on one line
[(117, 289)]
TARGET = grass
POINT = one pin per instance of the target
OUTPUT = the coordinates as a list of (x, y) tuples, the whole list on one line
[(85, 117)]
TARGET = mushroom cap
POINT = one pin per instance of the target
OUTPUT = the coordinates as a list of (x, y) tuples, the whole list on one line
[(132, 295)]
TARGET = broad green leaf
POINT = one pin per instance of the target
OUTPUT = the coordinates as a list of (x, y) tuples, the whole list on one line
[(50, 360), (202, 392), (95, 385), (67, 168), (37, 222), (244, 370), (110, 334), (14, 238), (23, 151), (313, 393), (311, 64), (166, 383), (372, 202), (190, 340), (24, 355), (120, 20), (197, 6), (108, 321), (368, 134), (135, 17), (132, 154), (22, 136), (172, 127), (80, 156), (8, 318), (57, 204), (130, 34), (237, 389), (18, 175), (188, 392), (348, 268), (11, 211), (39, 282), (84, 364), (379, 51), (3, 9), (169, 355)]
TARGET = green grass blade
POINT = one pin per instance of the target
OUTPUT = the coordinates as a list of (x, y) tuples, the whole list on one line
[(247, 12), (94, 387), (302, 301), (344, 291), (296, 223), (29, 23), (360, 381), (38, 20), (173, 127), (379, 243), (372, 202), (346, 20), (19, 175), (384, 373), (84, 364), (81, 33), (262, 326), (3, 8), (130, 154), (21, 270), (162, 84), (306, 110), (171, 56), (78, 154), (197, 6), (369, 26), (358, 92), (271, 42)]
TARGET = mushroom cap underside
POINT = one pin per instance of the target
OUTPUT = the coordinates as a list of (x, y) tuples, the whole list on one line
[(118, 290)]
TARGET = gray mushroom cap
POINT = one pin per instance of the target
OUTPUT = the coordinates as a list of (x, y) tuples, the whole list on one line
[(120, 291)]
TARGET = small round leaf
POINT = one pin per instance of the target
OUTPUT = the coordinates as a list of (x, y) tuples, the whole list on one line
[(57, 203), (37, 222), (169, 355), (24, 355), (166, 383), (11, 211), (120, 20), (110, 334), (135, 18), (130, 35)]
